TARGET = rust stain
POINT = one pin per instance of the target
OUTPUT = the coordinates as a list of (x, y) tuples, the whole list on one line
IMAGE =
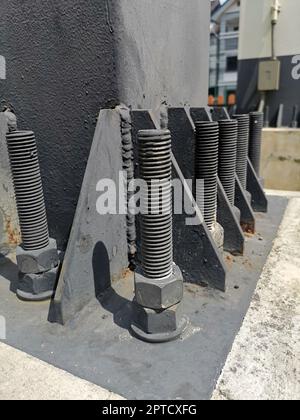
[(127, 274), (248, 229), (14, 237), (229, 260)]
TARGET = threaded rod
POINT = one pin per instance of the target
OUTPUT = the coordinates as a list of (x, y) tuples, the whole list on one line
[(227, 156), (242, 147), (156, 220), (28, 188), (206, 159)]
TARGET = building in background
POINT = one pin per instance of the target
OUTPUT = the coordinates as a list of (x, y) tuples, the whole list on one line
[(269, 60), (224, 52), (214, 4)]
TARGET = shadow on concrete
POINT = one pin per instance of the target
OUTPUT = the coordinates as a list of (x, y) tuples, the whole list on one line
[(10, 272), (54, 314), (109, 299)]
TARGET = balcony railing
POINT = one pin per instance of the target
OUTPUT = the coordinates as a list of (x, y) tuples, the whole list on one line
[(232, 34)]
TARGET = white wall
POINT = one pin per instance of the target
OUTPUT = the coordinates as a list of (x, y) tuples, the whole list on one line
[(255, 29)]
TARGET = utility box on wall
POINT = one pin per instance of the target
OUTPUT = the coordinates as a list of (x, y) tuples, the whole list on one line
[(269, 75), (270, 62)]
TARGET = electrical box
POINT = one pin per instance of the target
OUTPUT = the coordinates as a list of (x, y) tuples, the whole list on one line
[(269, 75)]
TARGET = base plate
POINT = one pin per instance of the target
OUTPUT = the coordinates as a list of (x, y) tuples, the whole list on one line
[(98, 344)]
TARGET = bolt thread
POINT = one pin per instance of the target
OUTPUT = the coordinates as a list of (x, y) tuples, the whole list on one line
[(28, 188), (242, 147), (156, 203), (256, 126), (207, 145), (227, 156)]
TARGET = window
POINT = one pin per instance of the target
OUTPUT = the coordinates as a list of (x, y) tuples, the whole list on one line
[(232, 25), (231, 64), (231, 44)]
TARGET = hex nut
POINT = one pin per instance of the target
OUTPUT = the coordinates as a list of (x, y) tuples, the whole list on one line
[(36, 287), (38, 261), (157, 322), (159, 294)]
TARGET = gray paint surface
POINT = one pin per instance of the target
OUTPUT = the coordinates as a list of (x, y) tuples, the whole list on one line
[(66, 59), (98, 347), (2, 67), (59, 72), (163, 52), (97, 250)]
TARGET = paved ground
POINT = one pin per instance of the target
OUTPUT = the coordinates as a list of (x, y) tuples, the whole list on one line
[(265, 359), (23, 377)]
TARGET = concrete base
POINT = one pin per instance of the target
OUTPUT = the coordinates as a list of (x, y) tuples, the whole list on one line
[(264, 361)]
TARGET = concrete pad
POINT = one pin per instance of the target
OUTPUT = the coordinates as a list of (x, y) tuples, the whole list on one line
[(23, 377), (280, 193), (264, 363), (281, 155)]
